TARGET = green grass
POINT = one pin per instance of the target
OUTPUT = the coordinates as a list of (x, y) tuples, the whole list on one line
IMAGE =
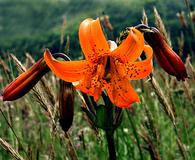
[(148, 119)]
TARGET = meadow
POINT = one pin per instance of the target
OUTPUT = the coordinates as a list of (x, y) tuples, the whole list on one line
[(161, 126)]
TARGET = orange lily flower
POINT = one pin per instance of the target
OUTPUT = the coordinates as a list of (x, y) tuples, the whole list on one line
[(105, 67)]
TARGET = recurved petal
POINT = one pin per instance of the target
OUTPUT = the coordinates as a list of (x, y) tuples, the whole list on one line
[(92, 39), (131, 48), (69, 71), (140, 69), (119, 88), (121, 93)]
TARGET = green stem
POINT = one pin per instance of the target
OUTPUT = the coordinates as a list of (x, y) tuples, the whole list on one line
[(111, 145)]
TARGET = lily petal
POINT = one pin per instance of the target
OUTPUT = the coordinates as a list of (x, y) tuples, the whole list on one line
[(140, 69), (99, 39), (131, 48), (69, 71), (92, 39), (92, 82), (91, 86), (121, 93), (119, 89)]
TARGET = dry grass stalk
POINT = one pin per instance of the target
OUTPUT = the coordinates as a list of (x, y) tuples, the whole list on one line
[(46, 89), (43, 83), (190, 67), (182, 19), (10, 149), (186, 85), (6, 70), (30, 58), (181, 147), (4, 66), (107, 23), (187, 2), (170, 112), (144, 18), (29, 61), (188, 92), (62, 33), (19, 65), (1, 80), (189, 14), (163, 99), (160, 25), (51, 155), (67, 46), (82, 100), (180, 41)]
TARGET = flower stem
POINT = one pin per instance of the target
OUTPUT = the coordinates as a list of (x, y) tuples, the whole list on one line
[(111, 145)]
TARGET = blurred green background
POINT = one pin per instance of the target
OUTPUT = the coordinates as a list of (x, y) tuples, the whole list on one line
[(32, 25)]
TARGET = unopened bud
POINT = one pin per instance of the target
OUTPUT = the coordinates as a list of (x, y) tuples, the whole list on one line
[(165, 56), (66, 105), (25, 82)]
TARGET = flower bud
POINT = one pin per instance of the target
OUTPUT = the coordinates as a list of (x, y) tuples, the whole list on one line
[(25, 82), (66, 105), (165, 56)]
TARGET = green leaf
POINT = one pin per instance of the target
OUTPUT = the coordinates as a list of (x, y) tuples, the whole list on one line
[(104, 117)]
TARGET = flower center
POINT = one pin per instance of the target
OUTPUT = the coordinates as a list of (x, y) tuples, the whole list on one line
[(107, 70)]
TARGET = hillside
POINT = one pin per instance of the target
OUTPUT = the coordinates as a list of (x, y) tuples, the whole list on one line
[(30, 26)]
